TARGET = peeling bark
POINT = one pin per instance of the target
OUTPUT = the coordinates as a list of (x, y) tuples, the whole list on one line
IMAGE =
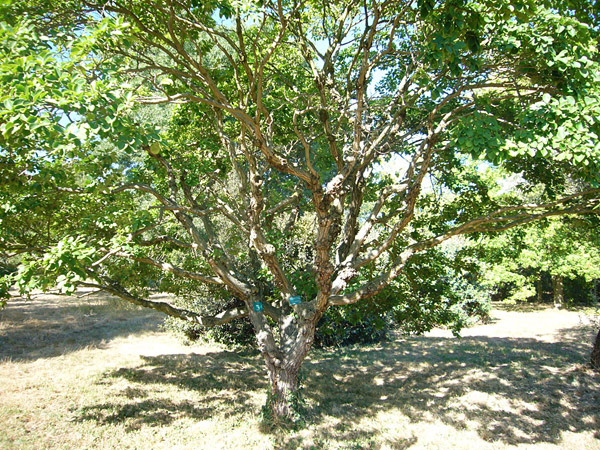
[(284, 391)]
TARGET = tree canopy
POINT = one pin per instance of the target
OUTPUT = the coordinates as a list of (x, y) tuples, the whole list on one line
[(238, 147)]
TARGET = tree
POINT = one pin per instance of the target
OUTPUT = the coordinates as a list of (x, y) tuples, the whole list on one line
[(282, 114), (559, 249)]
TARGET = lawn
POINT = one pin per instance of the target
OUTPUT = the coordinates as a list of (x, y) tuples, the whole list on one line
[(91, 373)]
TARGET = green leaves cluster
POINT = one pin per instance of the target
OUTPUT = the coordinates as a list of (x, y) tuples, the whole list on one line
[(516, 260), (566, 129), (66, 134), (62, 267)]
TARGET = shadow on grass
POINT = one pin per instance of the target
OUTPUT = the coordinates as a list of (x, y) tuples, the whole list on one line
[(515, 390), (54, 326), (512, 390), (160, 412), (224, 381), (210, 372)]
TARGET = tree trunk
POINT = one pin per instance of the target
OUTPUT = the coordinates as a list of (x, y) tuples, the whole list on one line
[(595, 358), (557, 290), (283, 401), (540, 294)]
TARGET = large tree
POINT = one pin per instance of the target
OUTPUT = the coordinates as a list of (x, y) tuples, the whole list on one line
[(266, 183)]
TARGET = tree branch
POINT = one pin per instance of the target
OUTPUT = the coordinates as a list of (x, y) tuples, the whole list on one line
[(484, 224), (170, 310)]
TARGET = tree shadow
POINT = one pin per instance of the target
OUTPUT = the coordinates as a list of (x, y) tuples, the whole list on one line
[(511, 390), (225, 382), (55, 325), (212, 371), (515, 390), (160, 412)]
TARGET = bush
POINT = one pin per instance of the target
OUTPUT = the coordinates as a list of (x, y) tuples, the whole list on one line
[(353, 324), (235, 334)]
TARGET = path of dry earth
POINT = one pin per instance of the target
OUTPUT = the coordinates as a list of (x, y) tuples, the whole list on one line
[(92, 373)]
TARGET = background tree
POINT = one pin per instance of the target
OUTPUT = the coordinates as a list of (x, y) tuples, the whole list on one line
[(282, 113), (555, 259), (559, 250)]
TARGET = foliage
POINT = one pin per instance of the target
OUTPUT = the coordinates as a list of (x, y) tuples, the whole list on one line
[(566, 248), (354, 325), (54, 162)]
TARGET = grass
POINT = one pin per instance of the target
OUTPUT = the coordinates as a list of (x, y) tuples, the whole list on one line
[(91, 373)]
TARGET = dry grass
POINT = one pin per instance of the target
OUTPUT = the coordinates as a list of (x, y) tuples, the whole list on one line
[(90, 373)]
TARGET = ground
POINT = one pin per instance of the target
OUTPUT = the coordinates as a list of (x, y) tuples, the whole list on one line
[(91, 373)]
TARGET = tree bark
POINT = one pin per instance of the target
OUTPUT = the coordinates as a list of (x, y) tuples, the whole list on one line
[(595, 357), (558, 290), (283, 400)]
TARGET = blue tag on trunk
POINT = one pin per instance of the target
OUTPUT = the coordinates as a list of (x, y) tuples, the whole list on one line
[(257, 306), (295, 300)]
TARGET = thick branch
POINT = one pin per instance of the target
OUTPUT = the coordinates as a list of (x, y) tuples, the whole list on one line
[(170, 310)]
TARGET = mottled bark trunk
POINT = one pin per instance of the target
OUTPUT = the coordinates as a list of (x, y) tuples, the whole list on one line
[(595, 357), (558, 290), (539, 289), (284, 392), (284, 401)]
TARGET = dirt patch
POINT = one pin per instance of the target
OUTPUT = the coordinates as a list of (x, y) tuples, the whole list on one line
[(541, 322)]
